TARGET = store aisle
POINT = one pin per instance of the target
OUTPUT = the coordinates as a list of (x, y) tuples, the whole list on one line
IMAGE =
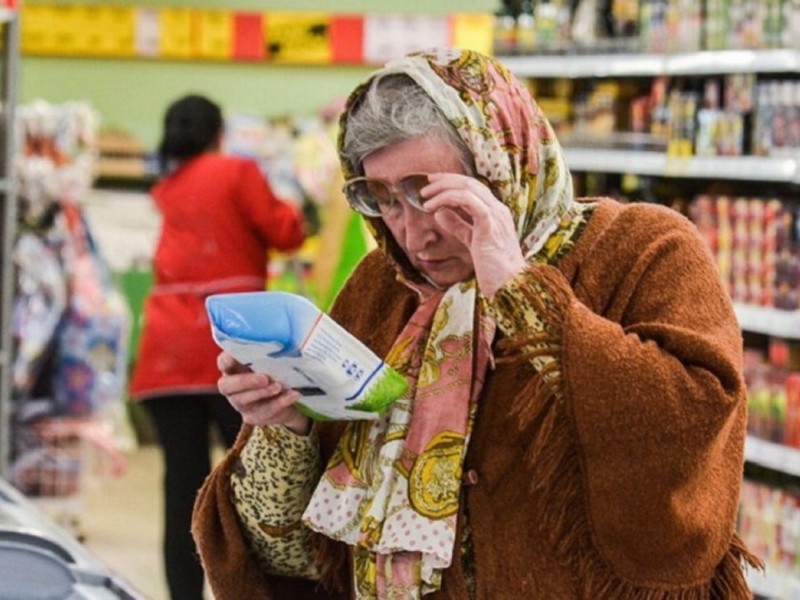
[(122, 523)]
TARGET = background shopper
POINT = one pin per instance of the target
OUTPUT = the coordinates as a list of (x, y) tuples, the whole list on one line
[(220, 218)]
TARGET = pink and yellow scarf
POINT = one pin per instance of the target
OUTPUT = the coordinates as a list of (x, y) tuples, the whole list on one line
[(391, 491)]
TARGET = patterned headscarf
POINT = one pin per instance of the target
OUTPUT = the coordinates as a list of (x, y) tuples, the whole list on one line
[(392, 488), (516, 151)]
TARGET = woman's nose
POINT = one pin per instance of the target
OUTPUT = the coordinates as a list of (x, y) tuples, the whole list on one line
[(419, 227)]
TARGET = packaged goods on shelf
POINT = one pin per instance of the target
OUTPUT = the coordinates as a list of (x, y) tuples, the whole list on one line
[(769, 523), (773, 392), (652, 26), (755, 246)]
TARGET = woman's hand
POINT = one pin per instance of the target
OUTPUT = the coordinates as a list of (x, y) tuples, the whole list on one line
[(467, 208), (260, 399)]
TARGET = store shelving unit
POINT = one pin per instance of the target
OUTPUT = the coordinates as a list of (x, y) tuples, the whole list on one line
[(658, 164), (9, 60), (593, 158)]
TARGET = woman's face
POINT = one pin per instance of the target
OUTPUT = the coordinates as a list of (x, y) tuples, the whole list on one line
[(430, 248)]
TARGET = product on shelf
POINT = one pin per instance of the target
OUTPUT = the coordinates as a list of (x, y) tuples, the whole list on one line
[(758, 256), (654, 26), (769, 523)]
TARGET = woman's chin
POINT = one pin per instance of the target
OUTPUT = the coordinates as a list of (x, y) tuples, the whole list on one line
[(444, 275)]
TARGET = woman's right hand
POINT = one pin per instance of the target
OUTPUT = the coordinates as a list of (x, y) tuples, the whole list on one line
[(260, 399)]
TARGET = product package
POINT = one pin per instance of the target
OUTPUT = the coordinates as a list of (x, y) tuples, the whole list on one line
[(288, 338)]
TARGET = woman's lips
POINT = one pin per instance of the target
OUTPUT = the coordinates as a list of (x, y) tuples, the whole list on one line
[(427, 264)]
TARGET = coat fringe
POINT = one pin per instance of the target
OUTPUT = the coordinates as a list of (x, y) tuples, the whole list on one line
[(555, 460), (330, 558), (557, 466)]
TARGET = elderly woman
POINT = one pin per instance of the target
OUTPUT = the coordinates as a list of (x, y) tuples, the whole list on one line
[(575, 418)]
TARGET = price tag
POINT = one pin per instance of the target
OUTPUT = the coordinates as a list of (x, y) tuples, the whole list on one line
[(473, 32), (298, 37), (109, 30), (392, 36), (214, 34), (175, 40), (147, 32)]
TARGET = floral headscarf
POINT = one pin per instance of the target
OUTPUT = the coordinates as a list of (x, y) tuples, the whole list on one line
[(392, 489), (516, 151)]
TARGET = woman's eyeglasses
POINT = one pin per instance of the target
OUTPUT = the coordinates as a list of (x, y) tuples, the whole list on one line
[(378, 198)]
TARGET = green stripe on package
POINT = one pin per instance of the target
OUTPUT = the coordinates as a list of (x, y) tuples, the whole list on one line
[(288, 338)]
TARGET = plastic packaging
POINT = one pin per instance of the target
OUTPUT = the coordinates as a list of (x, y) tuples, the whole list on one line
[(288, 338)]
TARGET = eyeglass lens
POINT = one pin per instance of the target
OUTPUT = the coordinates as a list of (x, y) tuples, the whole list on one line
[(375, 197)]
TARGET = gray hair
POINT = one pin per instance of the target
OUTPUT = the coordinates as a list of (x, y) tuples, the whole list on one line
[(392, 110)]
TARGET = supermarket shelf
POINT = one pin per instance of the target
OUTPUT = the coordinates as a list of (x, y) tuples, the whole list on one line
[(709, 62), (768, 320), (579, 65), (773, 456), (642, 162), (616, 161)]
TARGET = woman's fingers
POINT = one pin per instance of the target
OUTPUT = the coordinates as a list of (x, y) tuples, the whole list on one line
[(229, 365), (469, 186), (260, 399), (249, 386), (466, 208)]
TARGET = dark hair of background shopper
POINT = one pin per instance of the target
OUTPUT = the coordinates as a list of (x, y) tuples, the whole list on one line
[(575, 417), (219, 219)]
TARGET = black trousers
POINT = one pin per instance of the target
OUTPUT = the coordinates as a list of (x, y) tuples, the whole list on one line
[(183, 425)]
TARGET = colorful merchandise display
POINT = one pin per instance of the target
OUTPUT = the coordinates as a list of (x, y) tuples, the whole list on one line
[(70, 323)]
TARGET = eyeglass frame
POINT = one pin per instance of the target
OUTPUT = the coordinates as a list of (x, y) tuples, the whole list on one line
[(394, 188)]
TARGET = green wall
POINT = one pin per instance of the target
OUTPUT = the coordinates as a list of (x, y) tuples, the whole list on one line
[(132, 94)]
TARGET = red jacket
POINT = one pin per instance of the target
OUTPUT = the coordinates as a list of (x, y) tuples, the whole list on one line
[(219, 219)]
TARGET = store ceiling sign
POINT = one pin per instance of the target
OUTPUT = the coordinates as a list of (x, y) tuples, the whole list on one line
[(392, 36), (298, 37)]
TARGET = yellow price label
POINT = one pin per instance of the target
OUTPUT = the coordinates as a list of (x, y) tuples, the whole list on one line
[(298, 37), (175, 37), (213, 34)]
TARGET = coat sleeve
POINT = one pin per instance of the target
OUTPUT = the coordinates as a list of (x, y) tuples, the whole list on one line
[(278, 222), (370, 297), (229, 564), (647, 377)]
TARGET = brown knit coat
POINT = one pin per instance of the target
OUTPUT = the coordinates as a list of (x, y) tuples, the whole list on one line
[(620, 479)]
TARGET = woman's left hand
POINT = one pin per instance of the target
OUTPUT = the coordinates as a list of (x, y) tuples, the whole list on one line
[(467, 208)]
